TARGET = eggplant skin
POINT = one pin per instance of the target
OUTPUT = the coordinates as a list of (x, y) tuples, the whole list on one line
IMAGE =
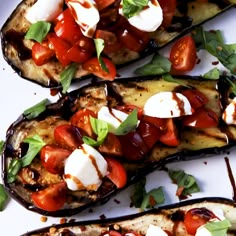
[(195, 143), (167, 217), (18, 52)]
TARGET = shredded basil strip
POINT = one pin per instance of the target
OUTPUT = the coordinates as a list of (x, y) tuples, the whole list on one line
[(67, 75), (218, 228), (133, 7), (213, 74), (3, 197), (36, 110), (159, 65), (185, 181), (1, 146), (35, 145), (38, 31), (129, 124), (99, 45), (169, 78), (100, 128)]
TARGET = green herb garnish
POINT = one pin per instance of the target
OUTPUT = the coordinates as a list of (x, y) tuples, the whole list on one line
[(35, 110), (3, 197), (99, 45), (213, 74), (1, 146), (133, 7), (218, 228), (38, 31)]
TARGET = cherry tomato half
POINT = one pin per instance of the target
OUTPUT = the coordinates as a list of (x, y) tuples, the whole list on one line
[(93, 66), (51, 198), (183, 54)]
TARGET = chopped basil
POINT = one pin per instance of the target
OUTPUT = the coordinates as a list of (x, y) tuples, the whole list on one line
[(36, 110), (1, 146), (100, 128), (133, 7), (213, 74), (186, 183), (159, 65), (218, 228), (144, 200), (38, 31), (169, 78), (67, 75), (35, 145), (3, 197), (213, 42), (99, 45), (129, 124)]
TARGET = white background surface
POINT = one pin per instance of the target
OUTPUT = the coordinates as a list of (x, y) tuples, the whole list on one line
[(17, 94)]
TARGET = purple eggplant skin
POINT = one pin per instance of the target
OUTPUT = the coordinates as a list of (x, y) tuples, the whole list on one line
[(17, 51), (164, 216), (115, 93)]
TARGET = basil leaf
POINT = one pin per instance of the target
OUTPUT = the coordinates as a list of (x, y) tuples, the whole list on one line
[(1, 146), (67, 75), (35, 145), (99, 45), (218, 228), (232, 85), (213, 74), (35, 110), (159, 65), (100, 128), (131, 7), (3, 197), (139, 193), (153, 198), (38, 31), (14, 167), (129, 124), (169, 78), (186, 183)]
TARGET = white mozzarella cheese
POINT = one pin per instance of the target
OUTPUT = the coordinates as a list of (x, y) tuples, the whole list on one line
[(229, 114), (154, 230), (167, 105), (44, 10), (86, 15), (112, 116), (84, 169), (148, 19)]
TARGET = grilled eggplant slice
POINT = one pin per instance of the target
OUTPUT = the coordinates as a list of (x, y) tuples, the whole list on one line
[(129, 92), (169, 218), (17, 50)]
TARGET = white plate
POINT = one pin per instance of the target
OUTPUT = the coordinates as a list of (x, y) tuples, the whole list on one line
[(17, 94)]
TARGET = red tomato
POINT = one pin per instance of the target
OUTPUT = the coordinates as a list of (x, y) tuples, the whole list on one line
[(66, 28), (196, 98), (68, 136), (111, 146), (168, 8), (101, 4), (51, 198), (93, 66), (195, 218), (110, 41), (53, 157), (149, 132), (201, 118), (116, 172), (81, 120), (157, 122), (75, 54), (61, 47), (41, 53), (183, 54), (133, 146), (170, 135)]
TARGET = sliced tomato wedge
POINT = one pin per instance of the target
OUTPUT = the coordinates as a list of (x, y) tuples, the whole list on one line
[(116, 172), (41, 53), (111, 146), (196, 98), (81, 119), (68, 136), (51, 198), (101, 4), (196, 217), (170, 136), (93, 66), (183, 55), (53, 157), (201, 118), (168, 8)]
